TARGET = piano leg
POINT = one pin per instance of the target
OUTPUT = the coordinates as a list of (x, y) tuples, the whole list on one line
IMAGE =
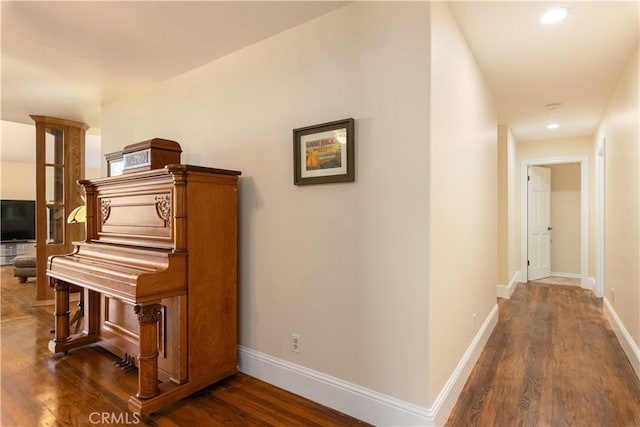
[(63, 341), (91, 312), (148, 317), (61, 313)]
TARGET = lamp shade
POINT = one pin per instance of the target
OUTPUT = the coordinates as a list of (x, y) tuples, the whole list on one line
[(79, 214)]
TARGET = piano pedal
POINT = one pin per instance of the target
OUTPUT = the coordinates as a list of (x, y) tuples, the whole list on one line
[(128, 368), (119, 364), (126, 364)]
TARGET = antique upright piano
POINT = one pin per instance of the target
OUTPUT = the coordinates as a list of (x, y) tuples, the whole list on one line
[(158, 272)]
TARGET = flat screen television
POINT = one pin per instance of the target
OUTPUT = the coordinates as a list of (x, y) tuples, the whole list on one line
[(17, 220)]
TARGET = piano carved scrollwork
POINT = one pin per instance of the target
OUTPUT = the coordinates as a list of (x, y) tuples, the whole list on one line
[(148, 313), (105, 210), (148, 317), (163, 208)]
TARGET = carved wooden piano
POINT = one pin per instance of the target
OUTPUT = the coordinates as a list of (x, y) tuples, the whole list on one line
[(158, 272)]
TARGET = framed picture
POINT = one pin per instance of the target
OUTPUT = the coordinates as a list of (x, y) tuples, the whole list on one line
[(324, 153), (115, 163)]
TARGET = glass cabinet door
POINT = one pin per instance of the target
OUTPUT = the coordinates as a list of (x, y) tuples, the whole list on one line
[(60, 148), (54, 183)]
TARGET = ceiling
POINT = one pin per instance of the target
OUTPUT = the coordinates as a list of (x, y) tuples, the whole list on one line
[(66, 59), (527, 65)]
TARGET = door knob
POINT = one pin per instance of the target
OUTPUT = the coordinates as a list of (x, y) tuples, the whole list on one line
[(549, 228)]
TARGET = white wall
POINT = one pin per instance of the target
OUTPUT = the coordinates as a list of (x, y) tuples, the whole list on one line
[(565, 214), (620, 127), (12, 187), (18, 144), (343, 265), (503, 207), (513, 201), (463, 203), (18, 179), (18, 157), (381, 277), (508, 200)]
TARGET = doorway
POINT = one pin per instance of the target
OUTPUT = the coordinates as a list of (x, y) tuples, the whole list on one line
[(538, 222), (585, 281)]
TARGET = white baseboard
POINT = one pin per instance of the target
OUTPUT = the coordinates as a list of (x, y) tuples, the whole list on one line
[(589, 283), (507, 291), (448, 396), (628, 345), (359, 402), (523, 276), (568, 275), (585, 282), (348, 398)]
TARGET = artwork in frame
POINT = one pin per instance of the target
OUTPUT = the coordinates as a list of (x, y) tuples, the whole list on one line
[(115, 163), (324, 153)]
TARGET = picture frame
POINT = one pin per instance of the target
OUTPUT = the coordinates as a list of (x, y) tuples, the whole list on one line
[(115, 163), (324, 153)]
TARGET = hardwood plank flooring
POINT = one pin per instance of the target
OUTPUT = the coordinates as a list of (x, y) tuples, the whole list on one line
[(83, 388), (552, 360)]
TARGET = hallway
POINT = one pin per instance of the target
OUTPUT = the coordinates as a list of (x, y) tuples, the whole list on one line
[(552, 360)]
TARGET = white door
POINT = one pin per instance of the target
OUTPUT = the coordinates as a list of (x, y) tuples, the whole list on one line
[(539, 228)]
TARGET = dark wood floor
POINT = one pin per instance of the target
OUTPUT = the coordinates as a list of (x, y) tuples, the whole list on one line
[(82, 387), (552, 361)]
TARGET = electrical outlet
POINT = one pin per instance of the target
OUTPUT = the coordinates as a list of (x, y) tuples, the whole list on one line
[(473, 321), (296, 343)]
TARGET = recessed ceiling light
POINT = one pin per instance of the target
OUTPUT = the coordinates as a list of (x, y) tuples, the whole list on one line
[(553, 126), (554, 15)]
